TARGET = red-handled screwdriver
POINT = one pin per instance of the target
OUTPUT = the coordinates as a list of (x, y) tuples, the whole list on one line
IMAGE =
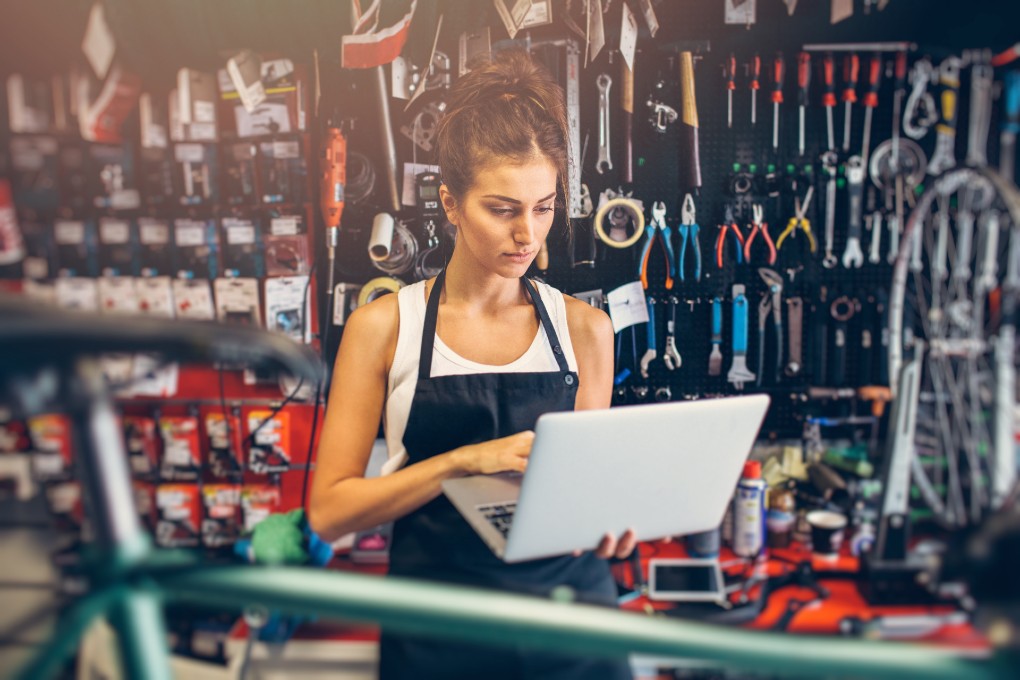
[(898, 94), (755, 86), (871, 101), (803, 81), (829, 98), (851, 69), (731, 74), (777, 96)]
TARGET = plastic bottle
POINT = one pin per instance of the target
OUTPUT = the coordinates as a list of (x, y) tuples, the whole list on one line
[(749, 512)]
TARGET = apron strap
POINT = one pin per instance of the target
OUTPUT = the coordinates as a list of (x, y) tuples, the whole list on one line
[(428, 338)]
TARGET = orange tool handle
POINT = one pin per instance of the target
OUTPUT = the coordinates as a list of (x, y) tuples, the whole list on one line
[(851, 71), (755, 72), (901, 70), (731, 72), (874, 80), (778, 72), (803, 77), (828, 75), (333, 176)]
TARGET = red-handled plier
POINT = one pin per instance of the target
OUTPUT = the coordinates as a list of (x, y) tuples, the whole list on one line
[(720, 241), (758, 226)]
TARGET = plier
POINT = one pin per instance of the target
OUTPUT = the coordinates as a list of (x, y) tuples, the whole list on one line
[(759, 226), (798, 221), (689, 229), (720, 241), (655, 229)]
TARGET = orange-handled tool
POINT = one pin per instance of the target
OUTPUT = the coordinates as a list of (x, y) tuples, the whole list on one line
[(755, 85), (778, 72), (803, 82), (851, 71), (871, 101), (731, 75), (333, 175), (829, 98)]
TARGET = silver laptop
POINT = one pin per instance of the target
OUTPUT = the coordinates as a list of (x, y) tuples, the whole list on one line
[(661, 469)]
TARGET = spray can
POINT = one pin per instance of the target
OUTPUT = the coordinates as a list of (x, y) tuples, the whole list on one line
[(749, 512)]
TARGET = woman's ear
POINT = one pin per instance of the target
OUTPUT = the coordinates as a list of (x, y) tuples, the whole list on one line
[(450, 204)]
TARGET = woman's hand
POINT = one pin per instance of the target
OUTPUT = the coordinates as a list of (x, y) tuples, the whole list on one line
[(610, 547), (506, 454)]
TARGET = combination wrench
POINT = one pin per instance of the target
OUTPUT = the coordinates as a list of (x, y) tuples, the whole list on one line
[(852, 255), (603, 164), (829, 161)]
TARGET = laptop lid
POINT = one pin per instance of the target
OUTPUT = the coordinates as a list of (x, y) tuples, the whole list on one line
[(662, 469)]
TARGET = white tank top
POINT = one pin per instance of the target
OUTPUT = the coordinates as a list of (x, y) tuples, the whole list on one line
[(403, 375)]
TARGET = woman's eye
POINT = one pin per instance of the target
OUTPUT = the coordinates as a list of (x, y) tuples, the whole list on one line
[(502, 212), (545, 209)]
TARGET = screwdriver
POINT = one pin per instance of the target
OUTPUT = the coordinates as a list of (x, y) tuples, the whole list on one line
[(900, 74), (755, 85), (829, 98), (731, 74), (803, 81), (777, 97), (871, 101), (851, 68)]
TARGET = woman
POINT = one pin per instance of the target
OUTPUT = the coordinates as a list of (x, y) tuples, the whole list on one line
[(461, 366)]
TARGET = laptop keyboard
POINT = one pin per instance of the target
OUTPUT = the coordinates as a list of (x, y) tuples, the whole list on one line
[(500, 515)]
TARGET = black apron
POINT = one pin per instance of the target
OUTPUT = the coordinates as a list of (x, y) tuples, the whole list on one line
[(434, 542)]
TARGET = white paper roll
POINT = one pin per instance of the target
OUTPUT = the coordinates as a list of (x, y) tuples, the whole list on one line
[(382, 237)]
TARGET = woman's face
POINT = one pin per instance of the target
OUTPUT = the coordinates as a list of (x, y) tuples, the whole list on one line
[(504, 217)]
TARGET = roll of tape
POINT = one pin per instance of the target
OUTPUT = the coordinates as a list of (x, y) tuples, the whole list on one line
[(378, 287), (625, 204), (381, 240)]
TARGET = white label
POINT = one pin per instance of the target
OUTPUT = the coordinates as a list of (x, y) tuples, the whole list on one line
[(155, 297), (77, 293), (193, 299), (628, 36), (596, 30), (286, 150), (286, 307), (202, 132), (117, 295), (238, 297), (190, 234), (539, 14), (189, 153), (153, 233), (205, 112), (69, 233), (741, 12), (627, 306), (240, 234), (283, 226), (114, 231)]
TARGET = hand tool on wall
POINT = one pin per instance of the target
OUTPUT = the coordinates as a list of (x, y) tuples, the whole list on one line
[(670, 355), (755, 85), (1010, 124), (871, 102), (690, 168), (720, 242), (627, 105), (771, 302), (851, 71), (944, 157), (778, 73), (689, 230), (819, 337), (739, 373), (730, 73), (920, 103), (867, 348), (603, 164), (875, 250), (799, 221), (332, 182), (842, 310), (803, 83), (852, 255), (650, 351), (657, 230), (829, 99), (829, 163), (382, 93), (979, 120), (759, 226), (899, 91), (715, 356), (795, 320)]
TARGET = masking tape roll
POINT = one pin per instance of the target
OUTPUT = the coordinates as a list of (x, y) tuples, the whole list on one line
[(378, 287), (632, 208)]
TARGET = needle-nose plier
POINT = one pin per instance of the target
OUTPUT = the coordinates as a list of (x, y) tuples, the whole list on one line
[(656, 229), (689, 230), (798, 221), (759, 226), (720, 241)]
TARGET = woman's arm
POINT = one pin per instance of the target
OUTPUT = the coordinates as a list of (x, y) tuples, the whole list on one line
[(342, 500)]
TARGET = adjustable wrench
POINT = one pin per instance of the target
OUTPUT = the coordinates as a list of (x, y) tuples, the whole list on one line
[(739, 373), (795, 319), (603, 163), (852, 255), (944, 157), (670, 355), (829, 161), (650, 353)]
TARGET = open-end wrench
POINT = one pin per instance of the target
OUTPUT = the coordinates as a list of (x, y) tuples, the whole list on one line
[(829, 162), (852, 255), (739, 373), (989, 268), (875, 252), (670, 355), (650, 353), (944, 157), (603, 163), (795, 320), (979, 120)]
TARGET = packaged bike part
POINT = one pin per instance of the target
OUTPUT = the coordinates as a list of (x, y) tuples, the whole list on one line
[(142, 444), (283, 110), (223, 433), (51, 441), (75, 242), (118, 247), (195, 244), (117, 295), (77, 293), (269, 442), (30, 106), (282, 172), (73, 177), (34, 163), (145, 503), (197, 95), (181, 448), (239, 170), (345, 301), (40, 254), (221, 520), (156, 169), (112, 177), (193, 299), (195, 173), (237, 301), (286, 246), (155, 296), (242, 247), (155, 256), (287, 307), (13, 434), (179, 512), (258, 501)]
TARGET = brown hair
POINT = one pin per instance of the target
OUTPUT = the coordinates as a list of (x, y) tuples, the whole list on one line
[(509, 107)]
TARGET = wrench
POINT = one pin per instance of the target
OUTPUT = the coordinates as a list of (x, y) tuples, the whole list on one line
[(990, 264), (874, 254), (774, 281), (829, 161), (670, 355), (944, 157), (980, 111), (852, 256), (795, 319), (603, 164), (649, 356), (739, 373)]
